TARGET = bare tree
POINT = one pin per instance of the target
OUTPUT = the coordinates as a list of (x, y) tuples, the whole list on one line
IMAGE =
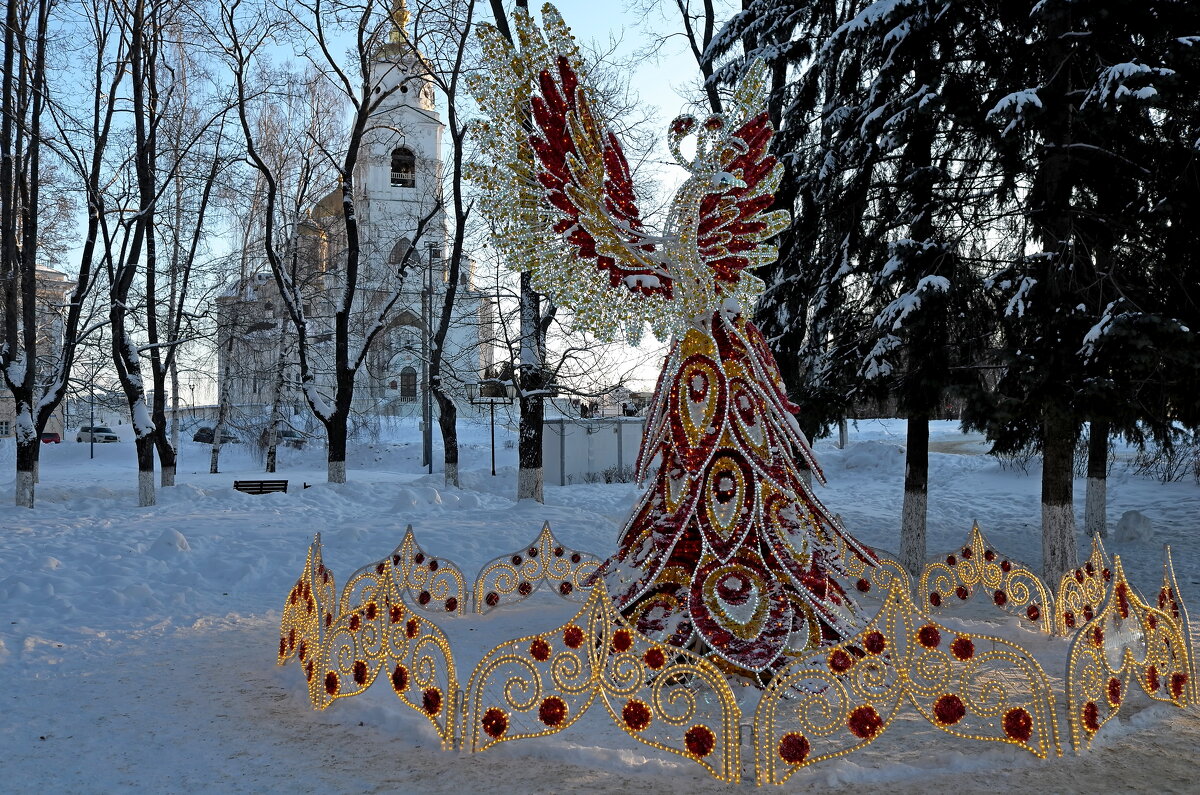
[(166, 134), (22, 100), (698, 19), (40, 346), (537, 315), (358, 302), (450, 24), (191, 138)]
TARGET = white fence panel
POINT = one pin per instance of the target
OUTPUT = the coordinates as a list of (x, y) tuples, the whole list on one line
[(590, 451)]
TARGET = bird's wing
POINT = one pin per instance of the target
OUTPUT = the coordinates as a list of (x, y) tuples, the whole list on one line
[(733, 226), (557, 188), (584, 175)]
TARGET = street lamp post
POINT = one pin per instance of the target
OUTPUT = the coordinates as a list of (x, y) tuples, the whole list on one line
[(426, 345), (510, 392), (192, 406), (92, 432)]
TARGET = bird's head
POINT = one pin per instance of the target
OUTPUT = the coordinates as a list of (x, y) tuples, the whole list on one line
[(723, 181), (715, 147)]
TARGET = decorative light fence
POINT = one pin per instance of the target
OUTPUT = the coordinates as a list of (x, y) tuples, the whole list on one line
[(827, 704)]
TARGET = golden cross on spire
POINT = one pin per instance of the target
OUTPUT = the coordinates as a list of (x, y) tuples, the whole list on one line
[(400, 17)]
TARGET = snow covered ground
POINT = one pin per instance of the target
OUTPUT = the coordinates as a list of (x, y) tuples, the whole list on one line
[(137, 646)]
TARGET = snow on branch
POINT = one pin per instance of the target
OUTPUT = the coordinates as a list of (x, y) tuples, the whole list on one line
[(873, 15), (1016, 304), (319, 404), (1126, 82), (1013, 106), (875, 366), (905, 304), (1091, 340)]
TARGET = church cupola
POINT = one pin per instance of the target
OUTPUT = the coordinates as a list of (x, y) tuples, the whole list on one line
[(400, 68)]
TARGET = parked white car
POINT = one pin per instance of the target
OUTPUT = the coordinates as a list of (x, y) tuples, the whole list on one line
[(96, 433)]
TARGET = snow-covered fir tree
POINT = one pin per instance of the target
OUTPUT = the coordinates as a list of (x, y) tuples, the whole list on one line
[(1094, 92)]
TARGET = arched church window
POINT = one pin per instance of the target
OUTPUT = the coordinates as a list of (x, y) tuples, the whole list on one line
[(399, 250), (404, 168), (408, 384)]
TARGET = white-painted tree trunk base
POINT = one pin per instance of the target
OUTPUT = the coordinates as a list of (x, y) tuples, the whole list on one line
[(24, 489), (452, 475), (529, 484), (37, 471), (167, 478), (1059, 552), (337, 471), (146, 495), (912, 531), (1095, 506)]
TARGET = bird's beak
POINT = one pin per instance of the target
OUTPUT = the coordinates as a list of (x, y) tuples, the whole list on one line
[(723, 180)]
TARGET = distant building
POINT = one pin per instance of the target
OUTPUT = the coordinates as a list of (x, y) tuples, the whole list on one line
[(399, 181), (53, 291)]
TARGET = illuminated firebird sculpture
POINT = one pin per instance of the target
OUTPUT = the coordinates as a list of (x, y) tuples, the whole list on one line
[(728, 551)]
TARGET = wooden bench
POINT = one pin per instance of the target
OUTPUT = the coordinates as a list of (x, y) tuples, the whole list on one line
[(260, 486)]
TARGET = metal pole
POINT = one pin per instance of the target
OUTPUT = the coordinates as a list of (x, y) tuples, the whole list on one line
[(426, 407), (562, 452), (492, 405), (92, 433)]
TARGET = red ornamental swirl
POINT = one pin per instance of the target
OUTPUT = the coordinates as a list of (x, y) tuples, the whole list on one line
[(794, 748), (729, 510), (720, 428), (699, 741), (1018, 724), (865, 722), (552, 711), (949, 710), (494, 722), (697, 405)]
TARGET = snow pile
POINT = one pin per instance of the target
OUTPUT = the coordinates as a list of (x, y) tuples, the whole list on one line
[(1134, 528), (139, 644)]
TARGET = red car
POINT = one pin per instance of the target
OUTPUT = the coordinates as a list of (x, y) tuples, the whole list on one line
[(51, 438)]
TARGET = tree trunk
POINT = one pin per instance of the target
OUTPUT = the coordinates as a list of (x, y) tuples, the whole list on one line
[(529, 450), (533, 384), (448, 422), (166, 453), (145, 457), (1059, 553), (916, 495), (276, 412), (1095, 519), (27, 453), (805, 473), (335, 431), (214, 454), (174, 437)]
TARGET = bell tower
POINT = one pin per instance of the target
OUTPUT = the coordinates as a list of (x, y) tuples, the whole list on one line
[(400, 167)]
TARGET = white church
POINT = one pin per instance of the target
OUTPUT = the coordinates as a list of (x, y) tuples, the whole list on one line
[(399, 183)]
